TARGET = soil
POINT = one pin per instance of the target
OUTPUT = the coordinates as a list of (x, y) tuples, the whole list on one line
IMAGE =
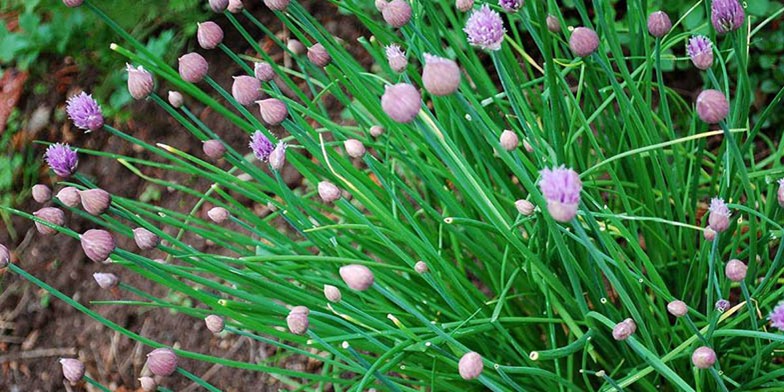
[(37, 329)]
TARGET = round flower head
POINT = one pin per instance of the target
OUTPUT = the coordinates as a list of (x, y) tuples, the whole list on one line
[(712, 106), (440, 76), (62, 159), (780, 193), (421, 267), (354, 148), (319, 56), (193, 67), (175, 99), (397, 13), (376, 130), (296, 47), (485, 29), (246, 89), (561, 188), (235, 6), (209, 35), (553, 24), (722, 305), (509, 140), (73, 369), (524, 207), (511, 5), (470, 366), (332, 293), (218, 214), (148, 384), (273, 111), (709, 234), (85, 112), (624, 329), (677, 308), (727, 15), (69, 196), (277, 157), (263, 71), (140, 83), (718, 215), (735, 270), (277, 5), (145, 239), (213, 149), (357, 276), (777, 317), (464, 5), (659, 24), (261, 146), (41, 193), (381, 4), (97, 244), (218, 5), (583, 41), (214, 323), (396, 58), (51, 215), (95, 201), (328, 191), (162, 362), (700, 51), (297, 320), (401, 102), (703, 357), (106, 281)]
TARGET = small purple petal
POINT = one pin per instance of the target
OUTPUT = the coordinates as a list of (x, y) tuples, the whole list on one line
[(261, 146)]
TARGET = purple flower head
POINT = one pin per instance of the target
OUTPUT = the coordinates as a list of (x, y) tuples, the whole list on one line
[(777, 316), (485, 29), (700, 50), (561, 187), (722, 305), (511, 5), (261, 146), (84, 111), (727, 15), (62, 159), (719, 215)]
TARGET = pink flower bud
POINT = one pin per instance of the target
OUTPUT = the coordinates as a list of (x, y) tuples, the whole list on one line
[(41, 193), (97, 244), (524, 207), (73, 369), (246, 89), (69, 196), (421, 267), (218, 214), (193, 67), (332, 293), (106, 281), (52, 215), (328, 191), (95, 201), (296, 47), (381, 4), (297, 320), (318, 55), (509, 140), (376, 130), (73, 3), (235, 6), (712, 106), (396, 58), (397, 13), (464, 5), (401, 102), (440, 76), (470, 366), (528, 147), (140, 83), (148, 384), (718, 215), (5, 256), (780, 193), (357, 277), (354, 148), (209, 35), (213, 149), (145, 239), (175, 99), (709, 234), (219, 5), (162, 362), (263, 71), (273, 111), (276, 5), (677, 308), (277, 157), (583, 41), (735, 270), (624, 329), (703, 357), (659, 24), (553, 24), (215, 323)]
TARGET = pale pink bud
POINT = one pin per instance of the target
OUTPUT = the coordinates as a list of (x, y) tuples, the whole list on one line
[(69, 196), (528, 147), (470, 366), (440, 76), (41, 193), (381, 4), (357, 277), (464, 5), (401, 102), (277, 157), (328, 191), (209, 35), (354, 148), (703, 357), (148, 384), (97, 244), (73, 369), (509, 140), (332, 293), (106, 281), (396, 58), (215, 323), (712, 106), (193, 67), (5, 256), (553, 24), (421, 267), (273, 111), (162, 362), (709, 234), (246, 89), (300, 309), (175, 99), (659, 24), (376, 130), (297, 320), (213, 149), (218, 214), (219, 5), (52, 215), (583, 41), (276, 5), (95, 201), (718, 215), (296, 47), (318, 55), (780, 193), (524, 207), (735, 270), (677, 308), (624, 329), (145, 239), (397, 13), (140, 83), (263, 71), (235, 6)]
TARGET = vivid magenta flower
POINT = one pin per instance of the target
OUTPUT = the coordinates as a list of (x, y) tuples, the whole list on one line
[(261, 146), (777, 316), (718, 215), (700, 50), (485, 29), (561, 187), (84, 111), (62, 159), (727, 15), (511, 5)]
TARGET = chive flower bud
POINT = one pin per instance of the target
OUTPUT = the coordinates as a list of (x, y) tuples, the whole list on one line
[(712, 106), (659, 24), (95, 201), (332, 293), (397, 13), (735, 270), (218, 214), (328, 191), (61, 159), (524, 207), (464, 5), (709, 234), (421, 267), (396, 58), (722, 305), (5, 256), (553, 24), (235, 6), (140, 83), (106, 281), (718, 215), (297, 320), (318, 55), (52, 215), (470, 366), (273, 111), (148, 384), (677, 308), (511, 6), (357, 277), (219, 5), (175, 99), (703, 357), (509, 140), (485, 29), (624, 329), (354, 148), (246, 89), (727, 15), (776, 317), (162, 362), (213, 149), (209, 35), (440, 76), (41, 193), (73, 369), (193, 67), (583, 41), (97, 244), (85, 112), (73, 3), (780, 193), (380, 5), (700, 51), (276, 5), (401, 102), (277, 157), (561, 188), (263, 71), (215, 323), (296, 47), (145, 239), (261, 146), (378, 130), (69, 196)]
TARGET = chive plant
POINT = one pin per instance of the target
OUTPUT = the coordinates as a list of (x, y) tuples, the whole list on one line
[(518, 200)]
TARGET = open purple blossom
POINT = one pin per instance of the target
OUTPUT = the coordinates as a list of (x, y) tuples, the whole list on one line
[(261, 146), (62, 159), (722, 305), (84, 111), (510, 5), (777, 316), (700, 50), (561, 187), (727, 15), (485, 29)]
